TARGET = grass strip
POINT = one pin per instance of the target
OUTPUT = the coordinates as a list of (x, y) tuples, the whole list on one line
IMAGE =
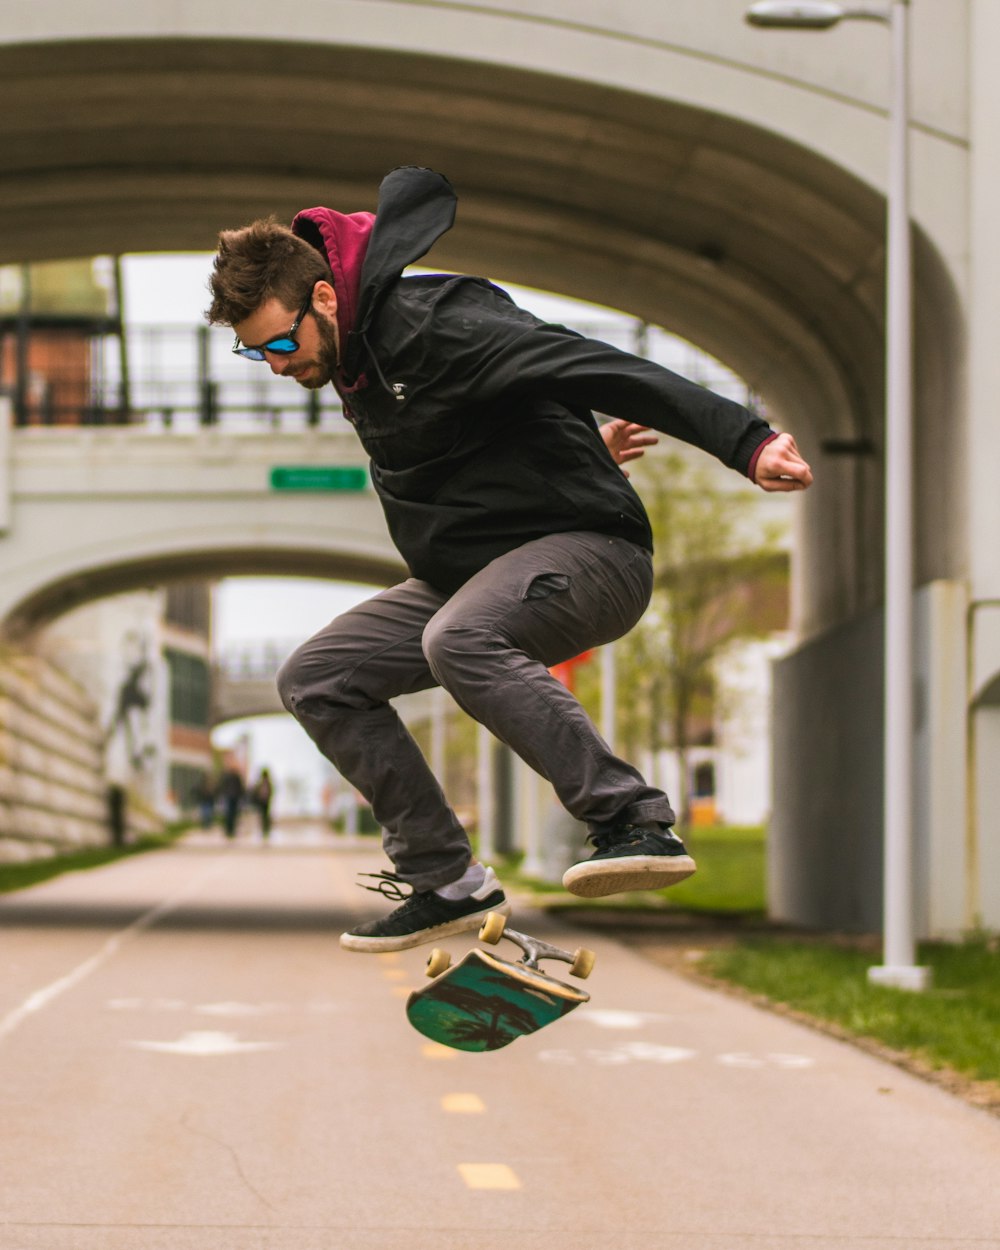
[(730, 881), (21, 875), (955, 1024)]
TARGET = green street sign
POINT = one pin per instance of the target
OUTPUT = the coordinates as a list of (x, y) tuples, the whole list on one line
[(319, 477)]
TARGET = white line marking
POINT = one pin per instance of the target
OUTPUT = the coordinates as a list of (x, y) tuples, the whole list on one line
[(606, 1018), (648, 1052), (206, 1045), (41, 999), (743, 1059), (241, 1009)]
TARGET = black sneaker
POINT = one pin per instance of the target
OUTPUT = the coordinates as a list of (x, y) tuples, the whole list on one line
[(630, 857), (424, 916)]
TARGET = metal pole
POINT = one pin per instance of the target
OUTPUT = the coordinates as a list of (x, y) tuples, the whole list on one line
[(125, 384), (484, 792), (898, 968), (528, 798), (438, 730), (609, 694), (206, 387), (21, 392)]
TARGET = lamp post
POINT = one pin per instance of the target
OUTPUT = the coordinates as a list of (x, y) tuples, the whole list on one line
[(899, 968)]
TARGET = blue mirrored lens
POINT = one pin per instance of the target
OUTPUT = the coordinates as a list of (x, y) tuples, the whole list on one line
[(283, 346)]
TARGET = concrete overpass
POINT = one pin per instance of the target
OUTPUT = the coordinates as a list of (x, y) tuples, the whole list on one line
[(665, 159), (92, 512)]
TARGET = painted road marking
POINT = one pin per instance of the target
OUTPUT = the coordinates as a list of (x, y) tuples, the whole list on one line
[(649, 1052), (742, 1059), (41, 999), (434, 1050), (463, 1104), (241, 1009), (611, 1019), (206, 1045), (317, 1007), (632, 1052), (394, 974), (489, 1176)]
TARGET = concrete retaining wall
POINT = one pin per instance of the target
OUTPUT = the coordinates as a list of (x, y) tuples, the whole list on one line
[(53, 793), (825, 865)]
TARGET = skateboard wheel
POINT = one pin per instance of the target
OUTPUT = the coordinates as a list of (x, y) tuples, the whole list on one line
[(492, 928), (437, 962), (583, 963)]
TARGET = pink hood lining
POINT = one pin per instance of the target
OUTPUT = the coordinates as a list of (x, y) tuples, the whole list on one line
[(345, 238)]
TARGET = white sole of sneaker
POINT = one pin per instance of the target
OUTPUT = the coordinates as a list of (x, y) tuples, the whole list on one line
[(405, 941), (596, 878)]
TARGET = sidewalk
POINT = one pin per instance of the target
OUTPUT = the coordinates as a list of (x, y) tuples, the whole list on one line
[(197, 1065)]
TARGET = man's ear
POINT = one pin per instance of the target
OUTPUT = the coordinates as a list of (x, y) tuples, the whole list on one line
[(324, 298)]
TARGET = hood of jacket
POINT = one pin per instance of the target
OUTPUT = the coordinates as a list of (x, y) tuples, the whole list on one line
[(367, 252)]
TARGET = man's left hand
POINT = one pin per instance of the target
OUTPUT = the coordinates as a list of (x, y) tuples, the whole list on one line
[(780, 467)]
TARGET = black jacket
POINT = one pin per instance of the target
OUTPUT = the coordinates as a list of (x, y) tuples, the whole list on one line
[(478, 417)]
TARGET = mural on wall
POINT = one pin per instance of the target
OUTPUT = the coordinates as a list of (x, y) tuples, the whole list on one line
[(130, 740)]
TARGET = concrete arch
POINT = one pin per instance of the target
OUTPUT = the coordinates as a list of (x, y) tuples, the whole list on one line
[(97, 512), (111, 576), (763, 252)]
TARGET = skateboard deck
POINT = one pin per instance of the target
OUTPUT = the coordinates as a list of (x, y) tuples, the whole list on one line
[(484, 1002)]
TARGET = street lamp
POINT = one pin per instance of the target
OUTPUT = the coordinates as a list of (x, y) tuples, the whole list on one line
[(899, 968)]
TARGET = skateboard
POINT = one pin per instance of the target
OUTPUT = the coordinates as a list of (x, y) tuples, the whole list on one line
[(484, 1002)]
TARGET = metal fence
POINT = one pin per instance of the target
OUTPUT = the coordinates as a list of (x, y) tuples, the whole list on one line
[(181, 377)]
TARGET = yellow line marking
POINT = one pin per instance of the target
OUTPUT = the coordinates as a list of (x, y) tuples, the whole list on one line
[(434, 1050), (489, 1176), (394, 974), (463, 1104), (402, 991), (389, 957)]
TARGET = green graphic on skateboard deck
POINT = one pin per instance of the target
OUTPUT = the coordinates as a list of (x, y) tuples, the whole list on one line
[(484, 1002)]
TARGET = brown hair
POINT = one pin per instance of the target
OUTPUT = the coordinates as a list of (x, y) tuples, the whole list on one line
[(258, 262)]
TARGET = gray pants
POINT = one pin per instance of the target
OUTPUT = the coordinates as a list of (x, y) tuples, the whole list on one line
[(490, 645)]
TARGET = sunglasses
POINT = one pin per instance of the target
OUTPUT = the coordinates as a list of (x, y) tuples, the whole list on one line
[(281, 345)]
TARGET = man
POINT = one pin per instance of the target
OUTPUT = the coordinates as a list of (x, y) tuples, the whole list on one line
[(525, 543)]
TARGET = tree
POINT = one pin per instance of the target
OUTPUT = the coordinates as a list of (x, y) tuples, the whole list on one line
[(720, 577)]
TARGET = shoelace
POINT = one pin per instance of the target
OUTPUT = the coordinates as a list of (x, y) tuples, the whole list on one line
[(389, 886)]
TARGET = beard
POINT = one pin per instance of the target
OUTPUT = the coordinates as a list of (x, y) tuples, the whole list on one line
[(323, 365)]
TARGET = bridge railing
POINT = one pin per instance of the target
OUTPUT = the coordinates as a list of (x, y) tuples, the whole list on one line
[(175, 377), (253, 661), (180, 377)]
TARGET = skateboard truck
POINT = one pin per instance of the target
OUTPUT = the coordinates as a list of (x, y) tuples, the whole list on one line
[(494, 927)]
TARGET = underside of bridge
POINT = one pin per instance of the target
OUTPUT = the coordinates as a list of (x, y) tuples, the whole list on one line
[(757, 250), (56, 598)]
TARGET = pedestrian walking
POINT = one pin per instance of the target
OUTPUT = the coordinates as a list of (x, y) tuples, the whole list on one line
[(262, 794), (231, 793)]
